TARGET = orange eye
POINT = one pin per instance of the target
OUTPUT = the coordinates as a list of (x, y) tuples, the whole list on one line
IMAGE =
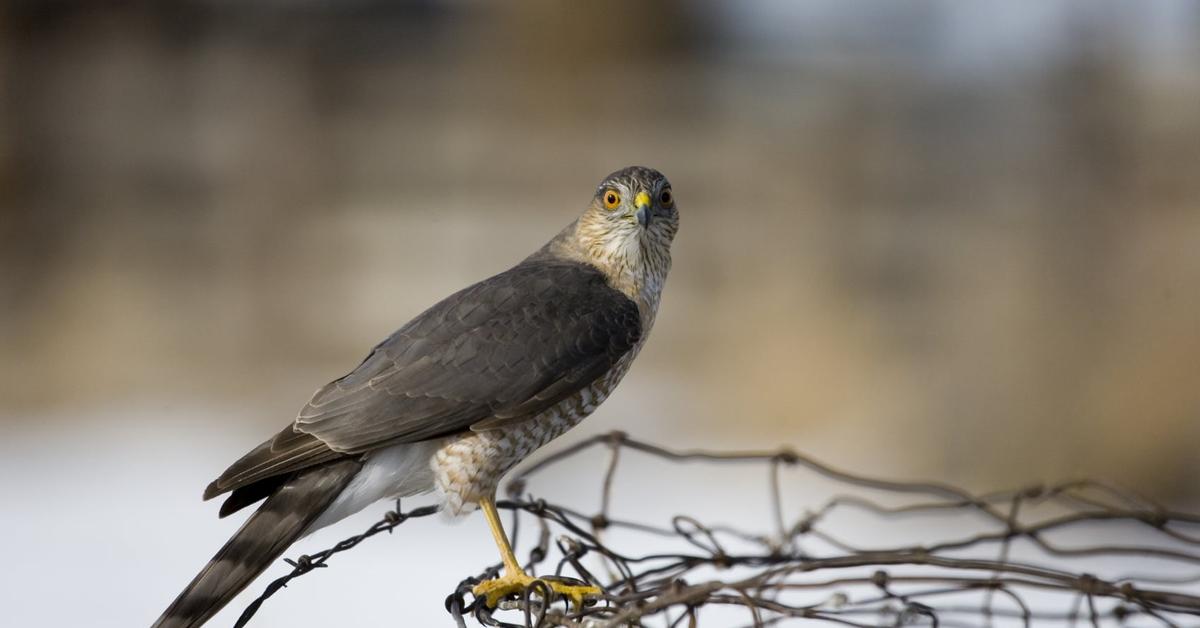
[(612, 199), (665, 198)]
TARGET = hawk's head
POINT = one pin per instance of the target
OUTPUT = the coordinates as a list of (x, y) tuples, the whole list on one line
[(629, 226)]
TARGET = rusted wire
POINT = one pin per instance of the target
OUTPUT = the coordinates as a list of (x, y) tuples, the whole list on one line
[(1009, 573)]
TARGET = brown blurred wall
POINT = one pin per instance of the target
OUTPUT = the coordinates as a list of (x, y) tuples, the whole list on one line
[(987, 272)]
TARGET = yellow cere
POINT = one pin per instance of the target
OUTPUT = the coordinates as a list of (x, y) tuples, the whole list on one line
[(641, 200)]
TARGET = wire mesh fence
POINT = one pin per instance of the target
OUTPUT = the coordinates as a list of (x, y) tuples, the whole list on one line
[(1075, 553)]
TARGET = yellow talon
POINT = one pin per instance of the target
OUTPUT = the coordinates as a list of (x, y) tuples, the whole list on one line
[(499, 588), (515, 580)]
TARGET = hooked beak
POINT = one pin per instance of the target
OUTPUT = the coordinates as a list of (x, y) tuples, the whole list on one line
[(642, 203)]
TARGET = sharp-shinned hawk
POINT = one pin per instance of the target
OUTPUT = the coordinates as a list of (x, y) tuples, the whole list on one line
[(459, 395)]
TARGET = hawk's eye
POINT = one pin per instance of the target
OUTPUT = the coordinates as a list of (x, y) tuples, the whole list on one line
[(665, 198), (612, 199)]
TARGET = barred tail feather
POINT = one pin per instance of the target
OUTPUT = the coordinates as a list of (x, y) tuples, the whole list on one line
[(282, 519)]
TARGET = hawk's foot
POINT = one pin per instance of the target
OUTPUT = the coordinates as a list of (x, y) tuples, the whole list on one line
[(492, 591)]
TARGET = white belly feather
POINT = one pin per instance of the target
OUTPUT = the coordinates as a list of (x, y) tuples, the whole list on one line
[(398, 471)]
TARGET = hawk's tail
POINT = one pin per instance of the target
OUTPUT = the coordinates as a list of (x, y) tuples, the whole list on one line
[(282, 519)]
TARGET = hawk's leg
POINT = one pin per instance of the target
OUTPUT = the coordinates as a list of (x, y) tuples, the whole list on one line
[(515, 580)]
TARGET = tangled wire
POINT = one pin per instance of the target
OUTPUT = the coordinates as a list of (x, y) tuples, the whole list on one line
[(1008, 570)]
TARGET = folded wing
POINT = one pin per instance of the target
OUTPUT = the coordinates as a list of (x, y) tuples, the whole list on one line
[(507, 347)]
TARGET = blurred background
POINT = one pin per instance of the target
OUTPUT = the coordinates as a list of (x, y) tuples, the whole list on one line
[(925, 239)]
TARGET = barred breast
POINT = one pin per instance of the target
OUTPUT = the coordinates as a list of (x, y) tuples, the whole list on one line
[(469, 466)]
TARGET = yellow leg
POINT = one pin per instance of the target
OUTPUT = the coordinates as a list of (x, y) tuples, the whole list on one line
[(515, 580), (511, 566)]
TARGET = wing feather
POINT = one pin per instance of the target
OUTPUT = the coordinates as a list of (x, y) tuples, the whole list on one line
[(507, 347), (287, 451), (511, 345)]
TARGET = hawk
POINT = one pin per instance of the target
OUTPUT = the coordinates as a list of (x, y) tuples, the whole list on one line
[(455, 398)]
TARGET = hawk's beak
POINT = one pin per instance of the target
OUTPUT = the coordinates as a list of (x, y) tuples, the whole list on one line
[(642, 202)]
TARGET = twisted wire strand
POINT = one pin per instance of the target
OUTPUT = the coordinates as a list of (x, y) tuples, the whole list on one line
[(966, 580)]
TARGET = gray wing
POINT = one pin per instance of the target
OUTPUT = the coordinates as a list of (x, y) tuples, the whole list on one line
[(507, 347)]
